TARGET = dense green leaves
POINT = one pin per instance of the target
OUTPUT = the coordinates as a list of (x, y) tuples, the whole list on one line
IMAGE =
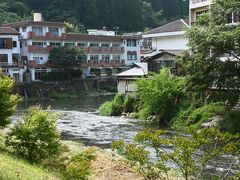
[(214, 61), (128, 15), (159, 95), (8, 102), (36, 137)]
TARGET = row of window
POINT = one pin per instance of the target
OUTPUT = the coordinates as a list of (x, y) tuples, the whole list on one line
[(7, 43)]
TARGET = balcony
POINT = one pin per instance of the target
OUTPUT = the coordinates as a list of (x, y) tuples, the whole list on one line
[(102, 63), (104, 50), (39, 49), (92, 49), (18, 64), (199, 3), (48, 36), (117, 50), (37, 64)]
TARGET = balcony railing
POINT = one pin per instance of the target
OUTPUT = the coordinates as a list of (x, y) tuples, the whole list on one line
[(34, 48), (7, 64), (198, 1), (102, 63)]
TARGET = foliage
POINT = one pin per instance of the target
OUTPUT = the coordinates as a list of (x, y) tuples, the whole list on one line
[(195, 116), (65, 57), (74, 28), (210, 39), (79, 166), (8, 101), (231, 122), (119, 105), (99, 13), (36, 137), (62, 75), (211, 142), (159, 95)]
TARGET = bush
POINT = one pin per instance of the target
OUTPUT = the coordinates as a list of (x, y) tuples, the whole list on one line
[(119, 105), (79, 166), (36, 138), (231, 122), (8, 102), (159, 95), (129, 104)]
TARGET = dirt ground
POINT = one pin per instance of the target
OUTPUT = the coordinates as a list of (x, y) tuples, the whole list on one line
[(108, 167)]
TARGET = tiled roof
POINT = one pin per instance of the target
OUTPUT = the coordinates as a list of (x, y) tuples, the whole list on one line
[(8, 31), (36, 23), (86, 37), (170, 27), (141, 69)]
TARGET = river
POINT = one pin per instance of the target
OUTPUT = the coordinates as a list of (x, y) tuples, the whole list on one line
[(80, 121)]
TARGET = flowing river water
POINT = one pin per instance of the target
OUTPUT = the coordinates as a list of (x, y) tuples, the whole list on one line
[(79, 120)]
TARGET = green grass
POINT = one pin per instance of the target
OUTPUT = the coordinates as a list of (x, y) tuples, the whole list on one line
[(13, 168)]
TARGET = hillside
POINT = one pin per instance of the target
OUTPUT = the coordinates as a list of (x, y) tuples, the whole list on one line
[(128, 15)]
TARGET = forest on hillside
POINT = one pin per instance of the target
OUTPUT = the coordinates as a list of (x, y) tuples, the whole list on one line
[(127, 15)]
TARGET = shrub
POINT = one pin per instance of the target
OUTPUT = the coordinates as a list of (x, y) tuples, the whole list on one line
[(231, 122), (212, 143), (106, 109), (36, 137), (79, 167), (8, 102), (159, 95), (129, 104)]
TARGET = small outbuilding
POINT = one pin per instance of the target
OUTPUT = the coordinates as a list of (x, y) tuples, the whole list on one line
[(127, 79)]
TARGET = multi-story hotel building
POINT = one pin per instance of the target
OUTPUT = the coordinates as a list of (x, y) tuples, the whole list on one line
[(10, 53), (197, 8), (104, 52)]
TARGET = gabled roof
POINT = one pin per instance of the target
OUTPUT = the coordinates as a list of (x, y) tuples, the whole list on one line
[(8, 31), (160, 54), (170, 27), (141, 69), (36, 23)]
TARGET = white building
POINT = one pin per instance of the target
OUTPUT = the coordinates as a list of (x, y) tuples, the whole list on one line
[(105, 53), (170, 37), (10, 53)]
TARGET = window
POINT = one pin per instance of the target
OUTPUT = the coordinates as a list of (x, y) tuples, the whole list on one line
[(116, 47), (55, 45), (106, 58), (39, 45), (24, 29), (53, 31), (3, 43), (116, 58), (14, 43), (105, 46), (233, 17), (94, 46), (39, 60), (39, 73), (200, 13), (81, 45), (69, 45), (132, 55), (170, 64), (94, 58), (131, 43), (3, 58), (38, 31)]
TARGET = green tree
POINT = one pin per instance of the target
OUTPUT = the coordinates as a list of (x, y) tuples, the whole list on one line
[(36, 137), (65, 57), (8, 102), (211, 142), (214, 61), (159, 95)]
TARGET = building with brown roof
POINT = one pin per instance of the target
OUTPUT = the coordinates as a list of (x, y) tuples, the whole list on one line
[(10, 53), (104, 52)]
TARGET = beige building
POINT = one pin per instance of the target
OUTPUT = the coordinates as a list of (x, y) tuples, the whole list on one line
[(197, 8)]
